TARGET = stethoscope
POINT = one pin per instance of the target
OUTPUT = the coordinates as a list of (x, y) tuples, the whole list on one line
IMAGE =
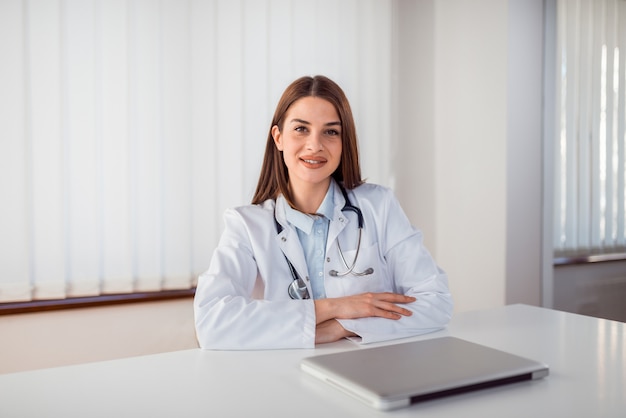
[(297, 289)]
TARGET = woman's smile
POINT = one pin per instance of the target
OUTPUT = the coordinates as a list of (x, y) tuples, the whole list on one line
[(313, 162)]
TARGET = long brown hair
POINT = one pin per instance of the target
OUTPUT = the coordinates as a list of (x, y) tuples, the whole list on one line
[(274, 177)]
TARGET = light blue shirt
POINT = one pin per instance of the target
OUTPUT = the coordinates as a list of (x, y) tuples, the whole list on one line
[(313, 233)]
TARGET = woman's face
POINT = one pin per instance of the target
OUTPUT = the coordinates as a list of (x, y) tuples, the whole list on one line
[(310, 141)]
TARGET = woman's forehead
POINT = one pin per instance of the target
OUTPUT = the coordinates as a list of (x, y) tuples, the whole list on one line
[(312, 109)]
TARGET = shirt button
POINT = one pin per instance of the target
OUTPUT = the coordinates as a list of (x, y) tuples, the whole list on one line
[(321, 273)]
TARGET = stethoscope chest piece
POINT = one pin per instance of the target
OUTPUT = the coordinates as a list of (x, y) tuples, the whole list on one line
[(297, 289)]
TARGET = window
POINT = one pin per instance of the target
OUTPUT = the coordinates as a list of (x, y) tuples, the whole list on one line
[(128, 127), (590, 137)]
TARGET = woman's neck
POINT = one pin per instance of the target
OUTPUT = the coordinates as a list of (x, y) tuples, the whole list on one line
[(309, 197)]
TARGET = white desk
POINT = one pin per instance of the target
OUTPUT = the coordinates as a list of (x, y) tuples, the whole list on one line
[(587, 359)]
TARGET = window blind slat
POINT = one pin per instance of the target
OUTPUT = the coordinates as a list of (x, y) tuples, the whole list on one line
[(568, 140), (611, 132), (560, 76), (113, 131), (374, 154), (597, 126), (176, 145), (206, 219), (229, 67), (255, 75), (44, 98), (82, 159), (304, 42), (584, 64), (621, 129), (145, 136), (14, 165), (280, 54)]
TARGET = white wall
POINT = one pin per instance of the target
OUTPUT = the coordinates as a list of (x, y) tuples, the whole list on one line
[(524, 155), (73, 336), (470, 159), (469, 142)]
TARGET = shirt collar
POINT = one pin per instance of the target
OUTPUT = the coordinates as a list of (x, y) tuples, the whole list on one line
[(304, 222)]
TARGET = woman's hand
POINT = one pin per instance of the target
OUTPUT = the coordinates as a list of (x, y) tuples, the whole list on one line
[(384, 305), (329, 331)]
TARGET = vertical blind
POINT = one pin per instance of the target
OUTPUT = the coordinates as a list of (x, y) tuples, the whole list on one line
[(128, 126), (590, 176)]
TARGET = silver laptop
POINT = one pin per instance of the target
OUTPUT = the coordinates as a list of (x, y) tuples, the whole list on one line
[(394, 376)]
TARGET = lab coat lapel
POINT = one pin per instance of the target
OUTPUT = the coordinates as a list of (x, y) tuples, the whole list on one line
[(339, 221), (288, 240)]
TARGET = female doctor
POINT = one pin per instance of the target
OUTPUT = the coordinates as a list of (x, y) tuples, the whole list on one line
[(319, 255)]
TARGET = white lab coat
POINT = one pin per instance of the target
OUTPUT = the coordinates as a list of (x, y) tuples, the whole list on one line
[(242, 302)]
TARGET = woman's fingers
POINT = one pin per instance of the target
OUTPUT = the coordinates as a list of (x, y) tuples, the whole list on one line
[(384, 305), (390, 301)]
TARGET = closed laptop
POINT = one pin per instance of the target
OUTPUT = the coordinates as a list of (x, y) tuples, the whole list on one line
[(394, 376)]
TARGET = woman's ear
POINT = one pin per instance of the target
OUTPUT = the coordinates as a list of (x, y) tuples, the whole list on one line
[(277, 137)]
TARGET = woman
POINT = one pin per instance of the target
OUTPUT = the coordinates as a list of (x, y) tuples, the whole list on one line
[(293, 268)]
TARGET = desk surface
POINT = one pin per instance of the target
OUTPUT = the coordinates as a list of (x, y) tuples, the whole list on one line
[(587, 359)]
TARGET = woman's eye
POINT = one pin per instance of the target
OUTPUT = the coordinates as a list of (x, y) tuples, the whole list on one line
[(332, 132), (300, 129)]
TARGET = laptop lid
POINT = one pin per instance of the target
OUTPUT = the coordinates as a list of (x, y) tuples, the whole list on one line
[(393, 376)]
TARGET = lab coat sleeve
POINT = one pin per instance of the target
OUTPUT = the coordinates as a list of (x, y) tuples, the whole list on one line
[(227, 316), (413, 272)]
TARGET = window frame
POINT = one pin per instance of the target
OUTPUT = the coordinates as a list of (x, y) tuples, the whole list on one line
[(39, 305)]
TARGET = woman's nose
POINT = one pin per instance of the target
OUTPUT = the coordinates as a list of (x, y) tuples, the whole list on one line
[(314, 142)]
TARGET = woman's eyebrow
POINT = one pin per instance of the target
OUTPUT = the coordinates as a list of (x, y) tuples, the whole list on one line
[(296, 120), (304, 122)]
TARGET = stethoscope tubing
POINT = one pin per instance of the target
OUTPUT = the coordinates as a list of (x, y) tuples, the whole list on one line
[(297, 288)]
